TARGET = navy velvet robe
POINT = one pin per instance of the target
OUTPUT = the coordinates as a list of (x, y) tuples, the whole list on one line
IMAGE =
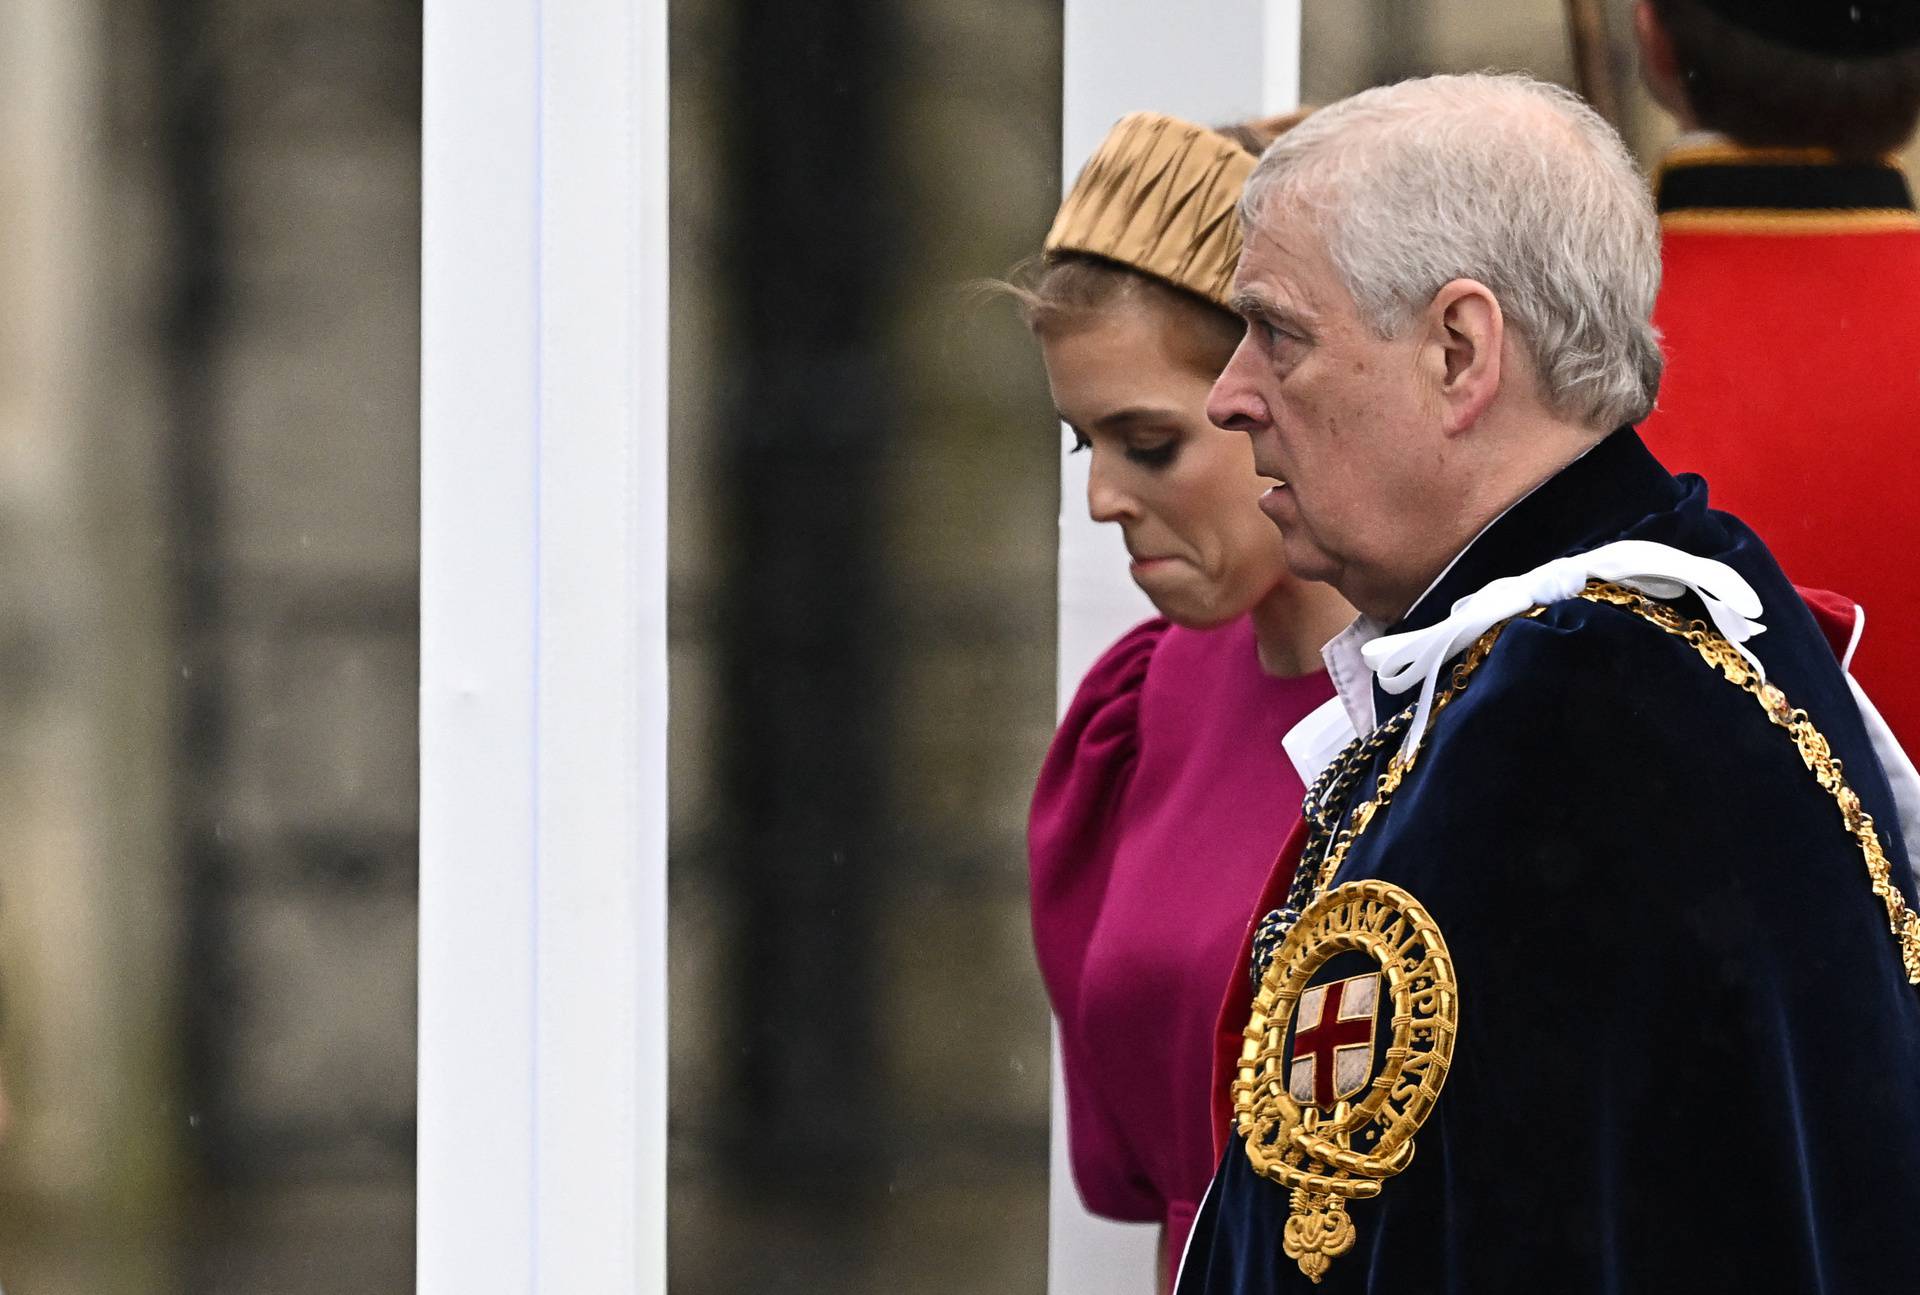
[(1688, 1059)]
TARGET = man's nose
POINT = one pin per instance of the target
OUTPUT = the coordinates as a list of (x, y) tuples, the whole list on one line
[(1234, 403)]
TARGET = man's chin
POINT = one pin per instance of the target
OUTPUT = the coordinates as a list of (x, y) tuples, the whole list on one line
[(1305, 560)]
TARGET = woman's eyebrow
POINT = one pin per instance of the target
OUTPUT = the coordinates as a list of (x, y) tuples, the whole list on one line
[(1122, 418)]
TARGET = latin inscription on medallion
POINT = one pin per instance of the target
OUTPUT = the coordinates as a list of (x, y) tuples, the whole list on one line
[(1325, 1111)]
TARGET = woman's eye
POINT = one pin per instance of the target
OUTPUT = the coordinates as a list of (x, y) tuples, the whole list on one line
[(1080, 443), (1153, 456)]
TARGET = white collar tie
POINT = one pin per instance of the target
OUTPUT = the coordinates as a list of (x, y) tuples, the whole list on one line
[(1657, 570)]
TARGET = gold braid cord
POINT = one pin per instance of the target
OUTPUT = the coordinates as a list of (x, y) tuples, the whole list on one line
[(1815, 752), (1329, 1144)]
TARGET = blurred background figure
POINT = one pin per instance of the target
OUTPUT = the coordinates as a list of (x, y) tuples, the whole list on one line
[(1790, 303)]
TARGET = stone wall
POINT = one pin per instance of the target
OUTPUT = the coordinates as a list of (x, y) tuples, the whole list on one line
[(207, 732)]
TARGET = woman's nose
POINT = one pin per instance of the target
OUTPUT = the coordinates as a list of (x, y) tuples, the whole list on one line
[(1107, 499)]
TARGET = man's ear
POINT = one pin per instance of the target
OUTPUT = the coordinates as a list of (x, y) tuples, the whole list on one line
[(1467, 330)]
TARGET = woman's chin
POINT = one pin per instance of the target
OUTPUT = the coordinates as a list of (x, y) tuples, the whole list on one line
[(1191, 613), (1178, 593)]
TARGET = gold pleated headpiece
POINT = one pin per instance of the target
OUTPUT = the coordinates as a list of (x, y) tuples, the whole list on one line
[(1159, 195)]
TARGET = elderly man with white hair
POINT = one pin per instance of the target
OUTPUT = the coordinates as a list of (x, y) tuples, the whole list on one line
[(1588, 970)]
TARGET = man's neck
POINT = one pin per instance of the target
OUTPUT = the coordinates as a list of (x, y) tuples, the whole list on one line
[(1481, 508)]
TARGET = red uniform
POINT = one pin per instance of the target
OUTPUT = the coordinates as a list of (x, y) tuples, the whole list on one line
[(1790, 312)]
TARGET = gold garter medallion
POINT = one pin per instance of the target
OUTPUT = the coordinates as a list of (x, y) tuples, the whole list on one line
[(1326, 1110)]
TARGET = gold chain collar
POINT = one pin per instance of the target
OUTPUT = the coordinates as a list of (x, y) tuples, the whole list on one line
[(1815, 752)]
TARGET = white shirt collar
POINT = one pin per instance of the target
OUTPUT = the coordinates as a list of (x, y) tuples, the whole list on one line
[(1352, 680)]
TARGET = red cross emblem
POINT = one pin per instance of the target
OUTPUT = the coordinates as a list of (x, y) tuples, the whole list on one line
[(1333, 1040)]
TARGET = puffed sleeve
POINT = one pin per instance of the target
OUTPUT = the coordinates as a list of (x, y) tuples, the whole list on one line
[(1072, 835)]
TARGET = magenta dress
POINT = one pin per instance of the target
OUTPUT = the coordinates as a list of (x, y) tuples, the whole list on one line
[(1162, 803)]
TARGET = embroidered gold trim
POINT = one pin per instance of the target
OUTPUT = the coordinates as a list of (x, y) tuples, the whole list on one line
[(1731, 154), (1735, 220)]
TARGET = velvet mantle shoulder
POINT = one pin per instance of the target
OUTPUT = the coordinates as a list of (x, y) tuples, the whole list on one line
[(1673, 975)]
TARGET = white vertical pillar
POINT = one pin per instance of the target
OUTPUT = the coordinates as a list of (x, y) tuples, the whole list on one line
[(1210, 61), (543, 648)]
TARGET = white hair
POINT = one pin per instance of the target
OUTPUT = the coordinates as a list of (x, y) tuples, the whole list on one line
[(1498, 178)]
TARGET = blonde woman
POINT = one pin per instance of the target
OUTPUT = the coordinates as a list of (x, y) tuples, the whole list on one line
[(1166, 794)]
